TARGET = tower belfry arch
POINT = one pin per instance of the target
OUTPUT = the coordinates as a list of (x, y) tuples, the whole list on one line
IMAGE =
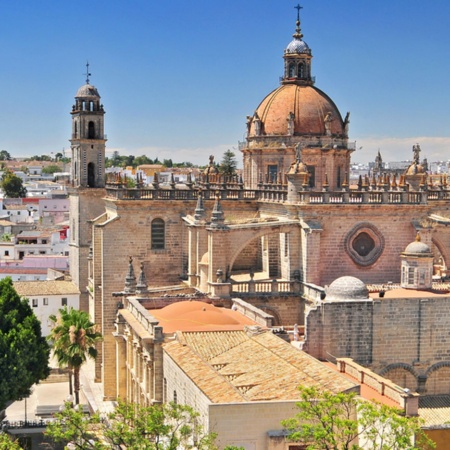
[(88, 138)]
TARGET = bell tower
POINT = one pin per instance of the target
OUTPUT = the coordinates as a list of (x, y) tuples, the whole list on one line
[(88, 138), (88, 182)]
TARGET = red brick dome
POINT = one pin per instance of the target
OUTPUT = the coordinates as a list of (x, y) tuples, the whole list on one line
[(310, 107)]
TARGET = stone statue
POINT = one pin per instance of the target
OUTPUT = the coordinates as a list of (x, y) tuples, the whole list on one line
[(298, 152), (346, 123), (416, 152), (257, 122), (249, 124), (291, 124), (327, 122)]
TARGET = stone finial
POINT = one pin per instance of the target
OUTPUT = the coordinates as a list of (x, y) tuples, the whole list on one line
[(394, 182), (155, 180), (217, 219), (172, 180), (130, 279), (199, 209), (189, 180), (142, 286), (326, 185)]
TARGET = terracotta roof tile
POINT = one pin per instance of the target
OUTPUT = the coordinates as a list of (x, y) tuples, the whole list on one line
[(253, 368)]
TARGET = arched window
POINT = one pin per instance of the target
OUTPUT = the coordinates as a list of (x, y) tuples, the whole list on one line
[(158, 234), (291, 70), (301, 70), (312, 176), (76, 129), (91, 175), (91, 130)]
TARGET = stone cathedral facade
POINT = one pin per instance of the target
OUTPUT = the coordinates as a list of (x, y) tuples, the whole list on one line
[(276, 238)]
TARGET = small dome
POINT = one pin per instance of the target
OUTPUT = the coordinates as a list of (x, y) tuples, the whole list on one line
[(297, 167), (347, 288), (418, 248), (415, 169), (297, 46), (87, 91)]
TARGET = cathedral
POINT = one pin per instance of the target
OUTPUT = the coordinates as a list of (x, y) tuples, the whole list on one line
[(291, 238)]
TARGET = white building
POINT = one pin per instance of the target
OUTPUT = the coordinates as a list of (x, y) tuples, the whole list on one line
[(47, 297)]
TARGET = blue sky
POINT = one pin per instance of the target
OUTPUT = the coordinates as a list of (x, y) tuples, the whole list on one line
[(178, 78)]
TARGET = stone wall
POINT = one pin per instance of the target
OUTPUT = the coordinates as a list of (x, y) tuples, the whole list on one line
[(404, 339)]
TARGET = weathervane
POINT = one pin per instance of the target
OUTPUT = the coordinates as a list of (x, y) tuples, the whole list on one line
[(298, 33), (87, 72), (298, 8)]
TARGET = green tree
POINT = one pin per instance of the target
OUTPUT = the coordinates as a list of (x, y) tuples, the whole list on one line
[(327, 421), (5, 156), (74, 338), (24, 352), (51, 169), (156, 427), (12, 185), (7, 443), (228, 164)]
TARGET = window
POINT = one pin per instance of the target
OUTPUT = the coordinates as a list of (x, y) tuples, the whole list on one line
[(175, 397), (312, 176), (6, 252), (291, 70), (35, 302), (45, 301), (158, 234), (272, 173), (300, 70), (91, 130), (64, 301)]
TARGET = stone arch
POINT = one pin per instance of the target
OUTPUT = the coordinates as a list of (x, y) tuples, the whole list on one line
[(273, 312), (441, 248), (438, 379), (402, 374), (277, 229)]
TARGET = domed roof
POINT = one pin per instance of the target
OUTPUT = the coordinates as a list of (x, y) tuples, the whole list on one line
[(297, 46), (415, 169), (309, 105), (87, 91), (196, 315), (418, 248), (347, 288)]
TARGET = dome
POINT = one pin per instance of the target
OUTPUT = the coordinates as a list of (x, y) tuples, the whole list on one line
[(417, 248), (199, 316), (87, 91), (415, 169), (309, 105), (297, 167), (297, 46), (347, 288)]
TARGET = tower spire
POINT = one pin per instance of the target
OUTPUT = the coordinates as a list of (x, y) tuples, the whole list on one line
[(298, 34), (87, 72)]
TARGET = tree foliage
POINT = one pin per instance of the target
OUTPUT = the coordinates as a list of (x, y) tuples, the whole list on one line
[(327, 421), (5, 156), (12, 185), (74, 338), (228, 164), (24, 352), (8, 443), (51, 169), (157, 427)]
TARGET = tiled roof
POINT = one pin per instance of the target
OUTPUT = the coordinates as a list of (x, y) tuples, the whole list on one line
[(230, 366), (30, 288), (435, 410)]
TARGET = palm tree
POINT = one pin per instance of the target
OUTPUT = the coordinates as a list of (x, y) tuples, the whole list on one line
[(74, 338)]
